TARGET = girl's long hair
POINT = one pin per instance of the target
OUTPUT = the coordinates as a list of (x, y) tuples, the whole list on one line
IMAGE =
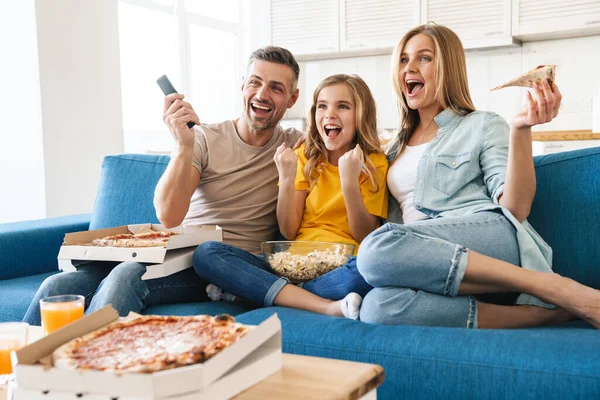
[(366, 129), (450, 66)]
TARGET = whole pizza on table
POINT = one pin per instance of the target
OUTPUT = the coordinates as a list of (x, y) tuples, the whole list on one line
[(145, 239), (150, 343)]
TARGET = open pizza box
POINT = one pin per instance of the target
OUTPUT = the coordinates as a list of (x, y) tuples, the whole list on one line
[(253, 358), (162, 261)]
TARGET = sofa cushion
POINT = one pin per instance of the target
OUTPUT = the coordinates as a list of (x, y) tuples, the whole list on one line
[(209, 307), (31, 247), (452, 363), (126, 190), (17, 295), (566, 211)]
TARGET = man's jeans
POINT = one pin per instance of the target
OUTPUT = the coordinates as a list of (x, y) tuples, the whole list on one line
[(103, 283), (249, 276), (416, 269)]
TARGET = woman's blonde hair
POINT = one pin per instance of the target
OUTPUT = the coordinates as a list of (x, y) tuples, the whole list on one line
[(366, 129), (450, 66)]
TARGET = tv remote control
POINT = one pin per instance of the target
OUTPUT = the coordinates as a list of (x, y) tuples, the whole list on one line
[(168, 88)]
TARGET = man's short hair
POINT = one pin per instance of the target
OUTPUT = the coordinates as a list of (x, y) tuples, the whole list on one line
[(277, 55)]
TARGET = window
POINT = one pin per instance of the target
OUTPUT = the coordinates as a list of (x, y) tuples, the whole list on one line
[(214, 73), (196, 43)]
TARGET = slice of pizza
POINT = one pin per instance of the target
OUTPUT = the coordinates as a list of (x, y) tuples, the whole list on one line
[(150, 343), (541, 72)]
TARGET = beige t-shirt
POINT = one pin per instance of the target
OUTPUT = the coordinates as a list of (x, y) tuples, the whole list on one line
[(238, 184)]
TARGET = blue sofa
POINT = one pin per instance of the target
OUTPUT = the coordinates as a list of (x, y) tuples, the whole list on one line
[(420, 362)]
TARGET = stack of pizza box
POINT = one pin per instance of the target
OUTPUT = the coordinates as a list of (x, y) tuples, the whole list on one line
[(175, 256), (253, 358)]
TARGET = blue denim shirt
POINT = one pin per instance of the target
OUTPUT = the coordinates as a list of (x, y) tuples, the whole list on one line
[(463, 171)]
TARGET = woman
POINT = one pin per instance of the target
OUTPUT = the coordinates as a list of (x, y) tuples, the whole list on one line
[(462, 182)]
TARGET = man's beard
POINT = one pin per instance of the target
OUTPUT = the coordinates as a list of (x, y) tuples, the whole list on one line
[(259, 125)]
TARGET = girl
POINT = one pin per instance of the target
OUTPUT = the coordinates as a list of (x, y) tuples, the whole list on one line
[(463, 183), (332, 189)]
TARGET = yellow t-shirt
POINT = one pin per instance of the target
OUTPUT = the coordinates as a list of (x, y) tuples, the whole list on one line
[(325, 218)]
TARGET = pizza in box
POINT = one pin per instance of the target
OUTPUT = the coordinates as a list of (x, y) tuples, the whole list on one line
[(150, 343), (143, 239)]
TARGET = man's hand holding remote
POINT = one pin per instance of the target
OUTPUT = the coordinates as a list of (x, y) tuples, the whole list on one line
[(178, 114)]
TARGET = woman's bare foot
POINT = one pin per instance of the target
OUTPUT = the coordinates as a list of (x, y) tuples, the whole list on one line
[(584, 301), (577, 299)]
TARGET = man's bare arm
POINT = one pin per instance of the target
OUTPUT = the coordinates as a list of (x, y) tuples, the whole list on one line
[(175, 188)]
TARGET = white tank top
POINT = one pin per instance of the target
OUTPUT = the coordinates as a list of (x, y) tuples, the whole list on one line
[(401, 180)]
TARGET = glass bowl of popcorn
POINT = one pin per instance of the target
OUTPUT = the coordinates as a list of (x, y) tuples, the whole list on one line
[(301, 261)]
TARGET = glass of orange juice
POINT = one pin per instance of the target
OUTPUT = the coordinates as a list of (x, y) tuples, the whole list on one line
[(58, 311), (13, 336)]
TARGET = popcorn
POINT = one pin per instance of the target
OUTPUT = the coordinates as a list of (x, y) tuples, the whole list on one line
[(297, 267)]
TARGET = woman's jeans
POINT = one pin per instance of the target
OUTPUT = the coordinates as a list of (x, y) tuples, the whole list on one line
[(121, 285), (416, 269), (249, 276)]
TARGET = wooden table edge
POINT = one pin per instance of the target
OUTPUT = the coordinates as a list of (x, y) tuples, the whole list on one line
[(371, 376)]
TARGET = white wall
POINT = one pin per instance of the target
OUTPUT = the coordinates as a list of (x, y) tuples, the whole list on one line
[(60, 112), (22, 194), (577, 75), (81, 98)]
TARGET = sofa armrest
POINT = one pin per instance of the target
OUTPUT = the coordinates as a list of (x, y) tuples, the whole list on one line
[(31, 247)]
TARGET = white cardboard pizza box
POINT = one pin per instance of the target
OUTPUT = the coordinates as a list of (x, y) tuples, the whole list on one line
[(254, 357), (259, 365), (162, 261)]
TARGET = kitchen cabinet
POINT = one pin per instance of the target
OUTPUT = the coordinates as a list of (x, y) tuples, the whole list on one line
[(305, 26), (559, 141), (478, 23), (341, 28), (540, 148), (327, 29), (347, 28), (377, 23), (554, 19)]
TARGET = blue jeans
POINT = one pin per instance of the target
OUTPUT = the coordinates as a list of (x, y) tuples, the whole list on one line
[(119, 284), (416, 269), (249, 276)]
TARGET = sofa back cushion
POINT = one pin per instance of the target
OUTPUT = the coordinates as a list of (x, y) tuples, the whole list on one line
[(566, 212), (126, 190)]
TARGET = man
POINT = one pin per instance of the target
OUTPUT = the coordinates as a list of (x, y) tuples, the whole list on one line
[(221, 174)]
